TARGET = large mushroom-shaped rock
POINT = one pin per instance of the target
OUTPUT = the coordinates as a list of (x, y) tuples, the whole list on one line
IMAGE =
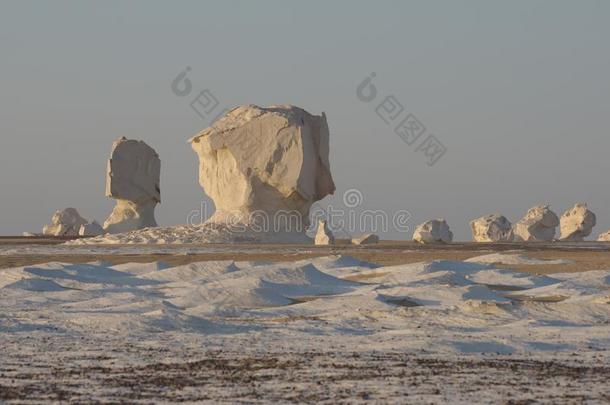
[(433, 231), (491, 228), (263, 164), (576, 223), (132, 179), (66, 222), (323, 235), (538, 224)]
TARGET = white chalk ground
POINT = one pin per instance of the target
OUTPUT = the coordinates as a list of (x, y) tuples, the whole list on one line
[(203, 233), (93, 328), (513, 259), (149, 249)]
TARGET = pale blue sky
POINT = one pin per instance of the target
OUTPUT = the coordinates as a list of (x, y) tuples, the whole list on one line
[(517, 91)]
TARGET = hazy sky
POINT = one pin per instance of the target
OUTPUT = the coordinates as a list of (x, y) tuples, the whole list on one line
[(518, 92)]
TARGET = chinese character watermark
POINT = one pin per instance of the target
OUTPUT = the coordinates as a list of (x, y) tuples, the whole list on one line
[(205, 102), (405, 124)]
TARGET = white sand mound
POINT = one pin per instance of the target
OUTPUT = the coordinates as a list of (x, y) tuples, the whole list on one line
[(513, 259), (185, 234), (441, 305)]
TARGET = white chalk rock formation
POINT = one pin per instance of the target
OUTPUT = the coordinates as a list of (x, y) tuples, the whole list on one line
[(367, 239), (604, 237), (66, 222), (31, 234), (576, 223), (538, 224), (262, 164), (491, 228), (132, 179), (324, 236), (91, 229), (433, 231)]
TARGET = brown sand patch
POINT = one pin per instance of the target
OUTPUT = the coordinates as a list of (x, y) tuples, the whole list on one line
[(582, 257)]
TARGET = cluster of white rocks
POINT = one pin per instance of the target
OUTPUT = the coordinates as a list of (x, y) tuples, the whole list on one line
[(132, 178), (258, 164), (262, 167), (538, 224)]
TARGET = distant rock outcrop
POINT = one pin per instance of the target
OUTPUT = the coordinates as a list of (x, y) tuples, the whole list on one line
[(433, 231), (262, 164), (576, 223), (323, 235), (538, 224), (66, 222), (491, 228), (132, 179)]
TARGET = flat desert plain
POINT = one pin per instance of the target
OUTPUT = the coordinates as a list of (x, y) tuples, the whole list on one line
[(392, 322)]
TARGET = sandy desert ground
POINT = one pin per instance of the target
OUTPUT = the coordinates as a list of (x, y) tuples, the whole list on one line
[(23, 251), (388, 323)]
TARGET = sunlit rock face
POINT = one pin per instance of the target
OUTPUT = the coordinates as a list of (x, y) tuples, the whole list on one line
[(576, 223), (433, 231), (491, 228), (66, 222), (260, 163), (132, 178), (538, 224)]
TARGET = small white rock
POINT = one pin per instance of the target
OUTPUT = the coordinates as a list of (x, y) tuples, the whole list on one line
[(64, 222), (538, 224), (433, 231), (91, 229), (577, 223), (367, 239), (604, 237), (324, 236), (491, 228), (30, 234)]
